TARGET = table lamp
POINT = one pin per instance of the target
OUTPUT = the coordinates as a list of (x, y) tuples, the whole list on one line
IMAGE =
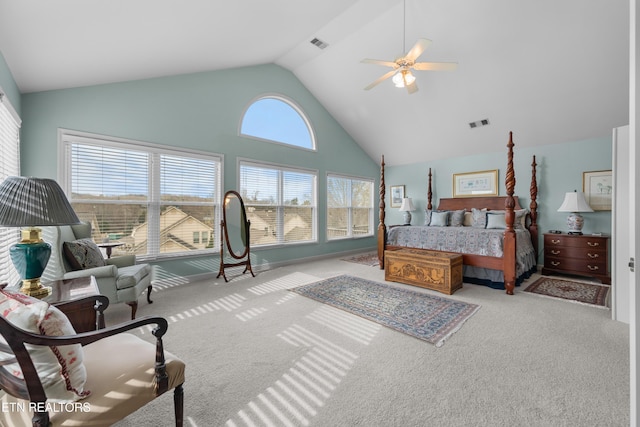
[(575, 202), (407, 207), (31, 203)]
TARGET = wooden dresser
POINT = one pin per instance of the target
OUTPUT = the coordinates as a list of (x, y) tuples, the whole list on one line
[(584, 255)]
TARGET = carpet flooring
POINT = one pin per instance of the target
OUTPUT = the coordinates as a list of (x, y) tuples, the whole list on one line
[(427, 317), (369, 258), (585, 293)]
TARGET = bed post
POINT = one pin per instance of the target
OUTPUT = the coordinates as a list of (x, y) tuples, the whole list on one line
[(510, 234), (382, 229), (533, 208), (429, 194)]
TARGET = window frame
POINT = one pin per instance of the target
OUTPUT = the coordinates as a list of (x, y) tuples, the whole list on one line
[(280, 207), (350, 235), (155, 203), (295, 106)]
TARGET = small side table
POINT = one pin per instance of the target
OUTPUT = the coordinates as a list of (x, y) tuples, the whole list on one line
[(80, 300), (109, 247)]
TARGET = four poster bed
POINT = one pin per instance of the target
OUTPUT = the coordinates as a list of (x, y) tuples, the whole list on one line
[(497, 238)]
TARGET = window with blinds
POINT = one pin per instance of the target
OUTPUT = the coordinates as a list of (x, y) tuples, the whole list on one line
[(152, 199), (9, 166), (349, 207), (280, 203)]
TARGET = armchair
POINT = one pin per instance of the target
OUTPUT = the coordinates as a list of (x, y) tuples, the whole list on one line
[(120, 280), (123, 371)]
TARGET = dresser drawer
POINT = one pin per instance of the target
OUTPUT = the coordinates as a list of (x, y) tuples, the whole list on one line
[(579, 252), (594, 242), (576, 265)]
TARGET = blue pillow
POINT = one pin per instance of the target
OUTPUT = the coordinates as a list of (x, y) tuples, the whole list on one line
[(439, 219), (496, 220)]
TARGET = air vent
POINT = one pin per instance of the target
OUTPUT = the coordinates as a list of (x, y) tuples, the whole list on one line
[(479, 123), (319, 43)]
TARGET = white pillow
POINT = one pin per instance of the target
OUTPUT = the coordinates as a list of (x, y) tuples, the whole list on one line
[(61, 369)]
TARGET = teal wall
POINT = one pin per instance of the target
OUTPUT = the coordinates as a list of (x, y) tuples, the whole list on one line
[(198, 111), (560, 168), (8, 84)]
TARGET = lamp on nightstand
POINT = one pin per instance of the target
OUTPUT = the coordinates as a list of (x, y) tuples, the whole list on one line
[(31, 203), (407, 207), (575, 203)]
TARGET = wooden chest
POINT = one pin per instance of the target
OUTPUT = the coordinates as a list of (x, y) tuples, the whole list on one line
[(582, 255), (439, 271)]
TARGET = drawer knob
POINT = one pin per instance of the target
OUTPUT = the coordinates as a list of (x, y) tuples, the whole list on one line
[(592, 267), (593, 244), (555, 241), (554, 252), (555, 263), (593, 256)]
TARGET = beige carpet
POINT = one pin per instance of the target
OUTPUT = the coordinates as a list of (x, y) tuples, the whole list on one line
[(258, 355)]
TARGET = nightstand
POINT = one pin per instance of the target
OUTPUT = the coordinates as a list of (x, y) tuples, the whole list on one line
[(584, 255)]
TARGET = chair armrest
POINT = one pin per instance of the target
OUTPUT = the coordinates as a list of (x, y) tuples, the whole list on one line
[(121, 261), (104, 271)]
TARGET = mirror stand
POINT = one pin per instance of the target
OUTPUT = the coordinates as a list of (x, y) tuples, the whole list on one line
[(234, 235)]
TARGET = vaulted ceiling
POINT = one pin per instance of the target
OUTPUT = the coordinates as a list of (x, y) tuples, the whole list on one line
[(551, 71)]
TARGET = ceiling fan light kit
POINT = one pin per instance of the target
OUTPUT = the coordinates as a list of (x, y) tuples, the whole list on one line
[(401, 73)]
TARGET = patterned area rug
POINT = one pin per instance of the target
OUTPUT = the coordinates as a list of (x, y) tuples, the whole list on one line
[(369, 258), (584, 293), (427, 317)]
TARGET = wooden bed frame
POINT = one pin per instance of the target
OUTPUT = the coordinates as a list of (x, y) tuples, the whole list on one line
[(509, 203)]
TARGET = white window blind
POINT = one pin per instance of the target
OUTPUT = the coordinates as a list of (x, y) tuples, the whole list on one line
[(349, 207), (280, 203), (9, 166), (151, 199)]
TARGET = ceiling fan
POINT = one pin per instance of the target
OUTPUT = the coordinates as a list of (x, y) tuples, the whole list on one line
[(402, 76)]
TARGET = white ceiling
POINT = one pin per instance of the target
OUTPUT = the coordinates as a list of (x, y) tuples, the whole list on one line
[(551, 71)]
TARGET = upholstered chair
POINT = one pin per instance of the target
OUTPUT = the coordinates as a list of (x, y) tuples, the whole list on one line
[(119, 278), (51, 376)]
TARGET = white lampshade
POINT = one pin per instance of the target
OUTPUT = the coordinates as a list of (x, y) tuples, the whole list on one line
[(574, 201), (407, 205)]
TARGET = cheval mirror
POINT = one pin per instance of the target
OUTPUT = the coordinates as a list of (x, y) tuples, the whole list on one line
[(234, 236)]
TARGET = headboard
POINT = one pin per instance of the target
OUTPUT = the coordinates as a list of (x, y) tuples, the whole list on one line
[(489, 202)]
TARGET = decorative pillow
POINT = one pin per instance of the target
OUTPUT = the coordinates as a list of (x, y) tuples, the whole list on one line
[(467, 219), (478, 218), (61, 368), (439, 219), (496, 220), (82, 254), (427, 216), (521, 215), (456, 218)]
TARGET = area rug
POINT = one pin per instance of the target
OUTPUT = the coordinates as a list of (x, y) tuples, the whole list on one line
[(427, 317), (369, 258), (584, 293)]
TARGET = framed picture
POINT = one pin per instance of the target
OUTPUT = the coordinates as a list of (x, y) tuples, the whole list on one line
[(397, 194), (598, 189), (473, 184)]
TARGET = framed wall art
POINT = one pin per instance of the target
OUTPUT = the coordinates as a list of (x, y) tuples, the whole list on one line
[(473, 184), (598, 189), (396, 194)]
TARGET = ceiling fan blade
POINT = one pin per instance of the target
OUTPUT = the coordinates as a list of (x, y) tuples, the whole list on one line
[(412, 88), (435, 66), (386, 76), (417, 49), (380, 62)]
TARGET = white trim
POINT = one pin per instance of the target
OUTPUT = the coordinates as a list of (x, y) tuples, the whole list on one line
[(5, 100)]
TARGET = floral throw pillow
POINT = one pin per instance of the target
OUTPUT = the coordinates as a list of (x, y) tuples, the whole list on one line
[(61, 369), (82, 254)]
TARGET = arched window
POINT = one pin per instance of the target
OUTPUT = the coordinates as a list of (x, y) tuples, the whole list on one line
[(276, 119)]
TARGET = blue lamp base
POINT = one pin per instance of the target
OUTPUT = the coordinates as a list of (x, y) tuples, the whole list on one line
[(30, 258)]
